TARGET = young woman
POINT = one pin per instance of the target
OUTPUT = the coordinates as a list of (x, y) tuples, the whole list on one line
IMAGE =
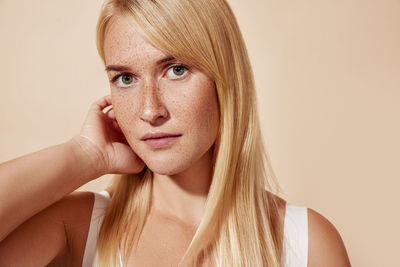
[(181, 127)]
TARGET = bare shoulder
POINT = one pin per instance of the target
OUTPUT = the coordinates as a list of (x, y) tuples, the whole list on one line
[(77, 202), (70, 205), (55, 235), (326, 247), (74, 208), (77, 208)]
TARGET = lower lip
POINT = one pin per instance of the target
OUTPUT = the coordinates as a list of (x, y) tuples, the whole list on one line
[(161, 142)]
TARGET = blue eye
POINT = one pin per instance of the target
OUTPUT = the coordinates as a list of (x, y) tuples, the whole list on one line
[(177, 71), (124, 80)]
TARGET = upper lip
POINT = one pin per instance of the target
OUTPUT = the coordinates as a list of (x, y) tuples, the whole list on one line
[(157, 135)]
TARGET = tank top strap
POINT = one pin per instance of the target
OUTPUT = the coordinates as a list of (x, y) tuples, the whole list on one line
[(101, 201), (295, 239)]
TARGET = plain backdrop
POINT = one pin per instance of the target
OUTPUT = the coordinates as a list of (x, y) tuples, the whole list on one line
[(328, 81)]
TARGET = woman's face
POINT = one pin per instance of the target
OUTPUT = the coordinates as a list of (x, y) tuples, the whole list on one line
[(167, 109)]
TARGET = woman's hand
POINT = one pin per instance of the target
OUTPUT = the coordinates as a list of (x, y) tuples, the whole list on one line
[(100, 148), (101, 133)]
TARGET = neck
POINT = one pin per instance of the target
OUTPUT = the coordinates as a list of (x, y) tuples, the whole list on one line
[(183, 196)]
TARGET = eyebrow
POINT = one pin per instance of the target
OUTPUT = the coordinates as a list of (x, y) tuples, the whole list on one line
[(125, 68)]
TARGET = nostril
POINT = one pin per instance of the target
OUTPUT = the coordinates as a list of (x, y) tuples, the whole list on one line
[(154, 114), (153, 109)]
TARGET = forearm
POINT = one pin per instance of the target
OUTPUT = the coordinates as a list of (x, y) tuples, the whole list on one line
[(32, 182)]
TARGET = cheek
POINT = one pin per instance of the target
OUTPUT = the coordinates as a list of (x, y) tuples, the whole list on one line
[(204, 117), (124, 113)]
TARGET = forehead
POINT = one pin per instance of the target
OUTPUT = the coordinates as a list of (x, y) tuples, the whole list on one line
[(123, 45)]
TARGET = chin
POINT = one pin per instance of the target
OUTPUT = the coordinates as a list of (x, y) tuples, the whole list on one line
[(171, 161), (165, 163), (165, 168)]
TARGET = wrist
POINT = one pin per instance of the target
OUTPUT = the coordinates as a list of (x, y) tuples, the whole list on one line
[(95, 163)]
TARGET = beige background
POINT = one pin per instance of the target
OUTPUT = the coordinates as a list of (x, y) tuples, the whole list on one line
[(328, 76)]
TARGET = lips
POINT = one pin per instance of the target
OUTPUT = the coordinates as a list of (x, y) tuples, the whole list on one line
[(158, 136), (160, 140)]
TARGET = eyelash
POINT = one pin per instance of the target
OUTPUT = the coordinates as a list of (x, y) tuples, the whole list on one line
[(115, 78)]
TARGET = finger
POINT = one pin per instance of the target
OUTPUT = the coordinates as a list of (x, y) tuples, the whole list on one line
[(111, 114), (107, 111), (102, 103), (116, 132), (117, 136), (116, 127), (112, 120)]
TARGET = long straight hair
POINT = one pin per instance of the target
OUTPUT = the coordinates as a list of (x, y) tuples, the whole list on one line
[(239, 224)]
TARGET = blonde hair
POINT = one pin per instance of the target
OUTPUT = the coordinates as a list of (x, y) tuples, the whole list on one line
[(238, 227)]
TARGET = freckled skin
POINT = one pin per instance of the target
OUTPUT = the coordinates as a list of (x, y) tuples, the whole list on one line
[(157, 103)]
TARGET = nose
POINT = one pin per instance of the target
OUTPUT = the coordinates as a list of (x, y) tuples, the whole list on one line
[(153, 110)]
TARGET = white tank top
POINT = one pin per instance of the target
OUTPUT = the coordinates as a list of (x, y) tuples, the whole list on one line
[(295, 239)]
